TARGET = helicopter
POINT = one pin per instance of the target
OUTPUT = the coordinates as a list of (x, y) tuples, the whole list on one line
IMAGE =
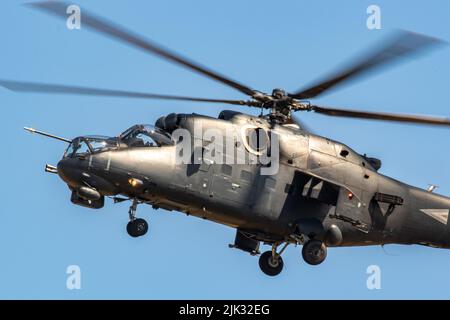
[(284, 184)]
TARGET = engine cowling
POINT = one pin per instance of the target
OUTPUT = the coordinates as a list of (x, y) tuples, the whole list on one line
[(168, 123)]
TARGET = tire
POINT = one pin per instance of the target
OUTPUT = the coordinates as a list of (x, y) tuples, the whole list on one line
[(268, 266), (137, 228), (314, 252)]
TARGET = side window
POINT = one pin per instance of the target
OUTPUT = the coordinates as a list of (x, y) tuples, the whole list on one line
[(141, 140), (82, 148)]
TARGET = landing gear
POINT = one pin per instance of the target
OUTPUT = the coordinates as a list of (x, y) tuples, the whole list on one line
[(137, 227), (314, 252), (269, 265), (271, 262)]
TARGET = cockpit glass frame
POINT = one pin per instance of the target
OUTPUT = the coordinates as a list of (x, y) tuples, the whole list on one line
[(82, 148), (74, 147), (145, 135), (70, 149), (101, 143), (90, 145)]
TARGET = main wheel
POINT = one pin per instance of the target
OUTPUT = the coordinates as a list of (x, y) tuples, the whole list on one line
[(314, 252), (137, 227), (270, 266)]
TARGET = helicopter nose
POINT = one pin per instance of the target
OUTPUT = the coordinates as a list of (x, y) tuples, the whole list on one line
[(68, 172)]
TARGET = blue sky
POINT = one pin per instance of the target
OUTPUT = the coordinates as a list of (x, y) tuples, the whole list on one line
[(260, 43)]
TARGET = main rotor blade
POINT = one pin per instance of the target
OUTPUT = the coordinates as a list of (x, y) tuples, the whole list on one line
[(105, 27), (381, 116), (403, 44), (62, 89)]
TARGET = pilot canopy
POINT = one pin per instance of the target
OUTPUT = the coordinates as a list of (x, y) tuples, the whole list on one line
[(145, 135), (135, 137)]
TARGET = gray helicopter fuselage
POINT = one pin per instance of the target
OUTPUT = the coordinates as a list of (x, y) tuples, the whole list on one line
[(319, 184)]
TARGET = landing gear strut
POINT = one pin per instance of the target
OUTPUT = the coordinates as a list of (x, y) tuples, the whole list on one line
[(137, 227), (271, 262)]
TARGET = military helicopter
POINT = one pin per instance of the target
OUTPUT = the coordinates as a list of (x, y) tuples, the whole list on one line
[(323, 194)]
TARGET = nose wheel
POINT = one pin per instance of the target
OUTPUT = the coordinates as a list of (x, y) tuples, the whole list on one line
[(137, 227)]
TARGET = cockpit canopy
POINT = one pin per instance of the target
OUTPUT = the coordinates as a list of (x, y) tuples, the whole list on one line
[(136, 136), (145, 135), (90, 144)]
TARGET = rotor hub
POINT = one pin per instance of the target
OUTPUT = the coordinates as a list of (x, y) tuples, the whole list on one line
[(278, 93)]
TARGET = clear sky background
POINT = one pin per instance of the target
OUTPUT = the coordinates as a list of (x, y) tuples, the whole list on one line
[(264, 44)]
